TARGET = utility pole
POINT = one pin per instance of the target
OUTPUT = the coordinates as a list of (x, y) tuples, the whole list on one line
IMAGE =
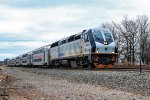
[(140, 61), (140, 50)]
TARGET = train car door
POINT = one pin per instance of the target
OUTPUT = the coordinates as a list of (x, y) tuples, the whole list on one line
[(81, 45), (86, 44)]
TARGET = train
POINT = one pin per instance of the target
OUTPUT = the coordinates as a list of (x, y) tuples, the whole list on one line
[(89, 48)]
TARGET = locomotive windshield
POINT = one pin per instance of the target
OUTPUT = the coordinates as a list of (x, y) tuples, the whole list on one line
[(108, 37), (98, 37)]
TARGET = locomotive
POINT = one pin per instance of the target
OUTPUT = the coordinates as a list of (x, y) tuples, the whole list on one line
[(90, 48)]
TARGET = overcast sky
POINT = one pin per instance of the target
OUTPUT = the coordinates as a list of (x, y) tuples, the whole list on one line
[(28, 24)]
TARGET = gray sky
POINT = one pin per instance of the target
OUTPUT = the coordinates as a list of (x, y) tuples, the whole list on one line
[(28, 24)]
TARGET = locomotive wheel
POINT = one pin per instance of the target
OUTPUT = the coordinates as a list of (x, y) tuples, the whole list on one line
[(92, 66), (87, 64), (78, 61), (57, 64)]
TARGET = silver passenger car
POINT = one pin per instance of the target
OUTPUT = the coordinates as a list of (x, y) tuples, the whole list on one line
[(40, 56)]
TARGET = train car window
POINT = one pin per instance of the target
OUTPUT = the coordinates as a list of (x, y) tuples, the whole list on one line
[(38, 51), (17, 58), (83, 31), (64, 41), (78, 37), (71, 38), (25, 55), (24, 61), (37, 60), (35, 52), (54, 44)]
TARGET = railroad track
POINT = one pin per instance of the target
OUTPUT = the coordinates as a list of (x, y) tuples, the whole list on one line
[(96, 69)]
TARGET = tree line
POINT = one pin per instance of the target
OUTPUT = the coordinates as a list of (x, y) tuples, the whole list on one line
[(132, 36)]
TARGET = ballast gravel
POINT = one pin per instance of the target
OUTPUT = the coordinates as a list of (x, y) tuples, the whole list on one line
[(64, 84), (131, 81)]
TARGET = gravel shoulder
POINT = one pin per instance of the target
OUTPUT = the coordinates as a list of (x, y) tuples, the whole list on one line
[(13, 88), (55, 84)]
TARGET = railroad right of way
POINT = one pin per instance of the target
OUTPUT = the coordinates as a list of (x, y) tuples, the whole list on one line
[(130, 81)]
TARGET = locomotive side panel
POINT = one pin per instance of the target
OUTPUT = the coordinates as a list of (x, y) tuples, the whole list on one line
[(69, 50)]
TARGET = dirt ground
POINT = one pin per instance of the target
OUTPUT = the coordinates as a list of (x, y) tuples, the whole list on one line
[(18, 85), (9, 90)]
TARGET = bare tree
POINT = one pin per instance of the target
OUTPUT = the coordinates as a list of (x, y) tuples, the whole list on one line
[(144, 30), (129, 29), (131, 35)]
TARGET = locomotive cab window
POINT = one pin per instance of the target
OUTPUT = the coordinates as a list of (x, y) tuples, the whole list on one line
[(108, 37), (98, 37)]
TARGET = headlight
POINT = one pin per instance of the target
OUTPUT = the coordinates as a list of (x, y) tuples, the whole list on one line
[(97, 51), (105, 43)]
